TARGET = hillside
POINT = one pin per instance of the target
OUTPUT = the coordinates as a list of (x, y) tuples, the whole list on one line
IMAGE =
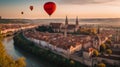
[(15, 21)]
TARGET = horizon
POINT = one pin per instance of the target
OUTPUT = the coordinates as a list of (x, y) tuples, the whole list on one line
[(58, 18)]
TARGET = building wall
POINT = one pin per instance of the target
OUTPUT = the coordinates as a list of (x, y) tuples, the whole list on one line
[(95, 44), (116, 45), (56, 30), (70, 30), (8, 30), (60, 50), (86, 55), (76, 48), (52, 47), (116, 37), (62, 30)]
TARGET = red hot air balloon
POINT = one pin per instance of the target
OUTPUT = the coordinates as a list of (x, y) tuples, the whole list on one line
[(31, 8), (22, 13), (50, 7)]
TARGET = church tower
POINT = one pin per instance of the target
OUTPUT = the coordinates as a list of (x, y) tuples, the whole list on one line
[(66, 24), (97, 42), (66, 21), (77, 22)]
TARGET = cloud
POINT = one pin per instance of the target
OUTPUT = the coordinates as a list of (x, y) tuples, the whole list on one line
[(85, 1), (114, 3)]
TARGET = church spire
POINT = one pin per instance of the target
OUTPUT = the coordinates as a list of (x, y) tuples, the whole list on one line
[(66, 21), (66, 24), (77, 22)]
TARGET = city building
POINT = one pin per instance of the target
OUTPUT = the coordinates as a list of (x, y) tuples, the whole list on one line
[(116, 38), (56, 26), (56, 42), (69, 28)]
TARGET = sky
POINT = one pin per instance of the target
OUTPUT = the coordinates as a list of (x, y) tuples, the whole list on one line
[(71, 8)]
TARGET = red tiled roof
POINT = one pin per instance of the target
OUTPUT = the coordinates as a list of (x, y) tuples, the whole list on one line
[(59, 40)]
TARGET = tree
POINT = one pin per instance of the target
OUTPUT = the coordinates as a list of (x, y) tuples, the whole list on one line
[(101, 65), (102, 48), (107, 47), (93, 30), (45, 29), (109, 51), (109, 41), (72, 62), (7, 61), (20, 62), (95, 53), (1, 36)]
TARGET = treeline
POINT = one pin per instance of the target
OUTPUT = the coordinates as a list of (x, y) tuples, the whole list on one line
[(45, 29), (45, 55), (7, 21), (6, 60), (85, 31)]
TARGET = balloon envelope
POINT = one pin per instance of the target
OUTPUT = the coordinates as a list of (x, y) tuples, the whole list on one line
[(22, 12), (50, 7), (31, 8)]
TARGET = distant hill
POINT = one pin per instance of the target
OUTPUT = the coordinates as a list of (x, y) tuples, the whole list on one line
[(112, 21), (15, 21), (102, 20), (82, 19)]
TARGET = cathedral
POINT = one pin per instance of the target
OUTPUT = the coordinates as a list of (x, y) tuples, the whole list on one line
[(69, 28)]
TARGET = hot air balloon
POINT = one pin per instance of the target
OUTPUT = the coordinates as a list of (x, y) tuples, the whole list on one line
[(50, 7), (31, 8), (22, 12)]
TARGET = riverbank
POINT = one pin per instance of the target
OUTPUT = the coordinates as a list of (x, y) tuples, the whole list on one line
[(7, 60), (45, 55), (13, 28), (16, 52)]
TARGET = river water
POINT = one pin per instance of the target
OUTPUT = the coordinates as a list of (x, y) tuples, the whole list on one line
[(16, 53)]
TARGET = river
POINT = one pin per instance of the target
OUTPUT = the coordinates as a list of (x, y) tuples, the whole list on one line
[(16, 53)]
